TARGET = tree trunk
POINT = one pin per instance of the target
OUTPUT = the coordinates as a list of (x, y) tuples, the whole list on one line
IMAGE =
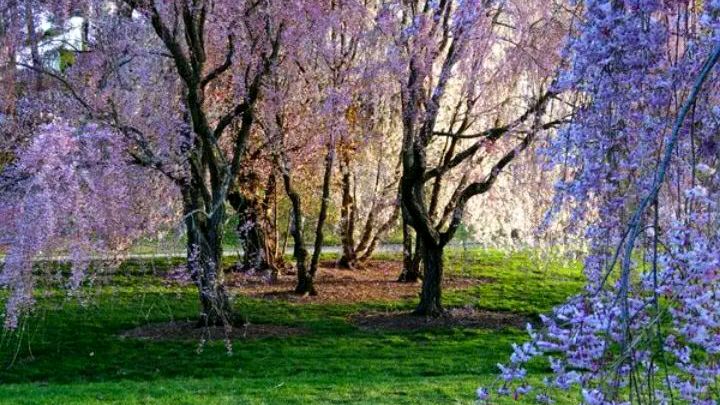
[(347, 217), (417, 258), (204, 257), (411, 268), (268, 211), (33, 40), (322, 216), (305, 279), (305, 283), (381, 232), (430, 297), (251, 233)]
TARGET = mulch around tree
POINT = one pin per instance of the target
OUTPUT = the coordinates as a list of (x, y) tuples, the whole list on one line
[(375, 281), (456, 317), (188, 330)]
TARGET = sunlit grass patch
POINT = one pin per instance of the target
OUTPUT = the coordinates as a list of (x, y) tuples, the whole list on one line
[(71, 350)]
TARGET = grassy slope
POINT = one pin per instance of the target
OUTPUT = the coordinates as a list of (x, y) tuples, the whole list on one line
[(75, 357)]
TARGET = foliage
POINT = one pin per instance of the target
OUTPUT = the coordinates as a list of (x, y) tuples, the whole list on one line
[(642, 158), (70, 197)]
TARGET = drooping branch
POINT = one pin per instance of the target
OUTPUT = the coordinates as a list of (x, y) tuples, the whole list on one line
[(64, 82), (634, 226)]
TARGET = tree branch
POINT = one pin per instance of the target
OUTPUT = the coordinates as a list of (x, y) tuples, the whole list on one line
[(491, 135), (215, 73)]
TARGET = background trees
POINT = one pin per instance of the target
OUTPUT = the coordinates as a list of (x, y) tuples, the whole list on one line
[(334, 101)]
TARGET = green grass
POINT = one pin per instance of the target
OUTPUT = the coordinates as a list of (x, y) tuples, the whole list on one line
[(69, 351)]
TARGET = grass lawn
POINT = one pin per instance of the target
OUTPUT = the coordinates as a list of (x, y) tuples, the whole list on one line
[(70, 351)]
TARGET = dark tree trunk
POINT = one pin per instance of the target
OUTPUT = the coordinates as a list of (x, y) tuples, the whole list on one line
[(305, 284), (322, 216), (411, 267), (417, 258), (300, 253), (251, 233), (204, 257), (348, 260), (305, 277), (347, 217), (33, 41), (430, 297)]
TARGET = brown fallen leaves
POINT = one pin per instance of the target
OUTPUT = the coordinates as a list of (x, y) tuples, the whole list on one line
[(456, 317), (376, 281)]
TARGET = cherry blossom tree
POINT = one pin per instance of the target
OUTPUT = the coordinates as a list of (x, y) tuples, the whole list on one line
[(301, 113), (7, 78), (449, 57), (369, 201), (368, 143), (68, 197), (641, 157), (146, 77), (13, 126)]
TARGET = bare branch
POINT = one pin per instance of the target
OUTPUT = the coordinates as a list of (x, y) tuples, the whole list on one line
[(215, 73), (490, 135), (62, 81)]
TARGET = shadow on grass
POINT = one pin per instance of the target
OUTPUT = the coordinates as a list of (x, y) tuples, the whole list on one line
[(75, 342)]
